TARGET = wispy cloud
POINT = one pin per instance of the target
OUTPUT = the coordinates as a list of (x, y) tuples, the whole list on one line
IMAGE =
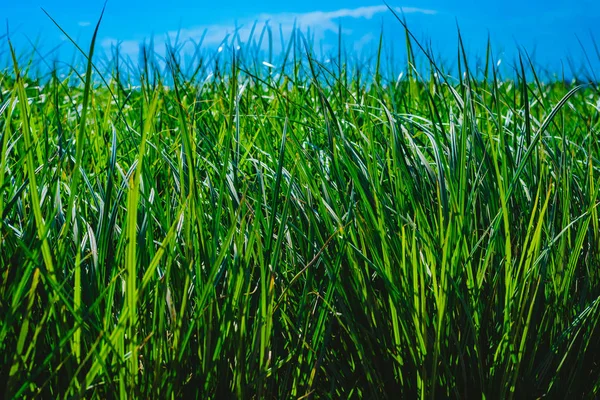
[(83, 23), (319, 23), (327, 20)]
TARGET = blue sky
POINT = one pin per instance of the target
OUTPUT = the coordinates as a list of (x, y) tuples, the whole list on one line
[(548, 30)]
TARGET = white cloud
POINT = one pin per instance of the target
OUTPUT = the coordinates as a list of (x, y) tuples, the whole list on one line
[(83, 23), (327, 19), (318, 22)]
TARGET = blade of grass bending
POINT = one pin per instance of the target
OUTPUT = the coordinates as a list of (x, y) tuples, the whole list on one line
[(35, 199), (79, 140), (537, 137), (104, 229)]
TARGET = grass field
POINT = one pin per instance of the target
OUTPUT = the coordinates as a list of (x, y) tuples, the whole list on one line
[(304, 230)]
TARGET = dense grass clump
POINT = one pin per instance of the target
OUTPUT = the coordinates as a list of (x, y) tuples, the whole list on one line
[(309, 229)]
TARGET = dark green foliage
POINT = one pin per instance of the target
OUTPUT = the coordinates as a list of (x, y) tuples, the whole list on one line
[(298, 234)]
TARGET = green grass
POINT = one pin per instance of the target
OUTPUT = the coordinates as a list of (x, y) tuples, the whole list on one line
[(316, 230)]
